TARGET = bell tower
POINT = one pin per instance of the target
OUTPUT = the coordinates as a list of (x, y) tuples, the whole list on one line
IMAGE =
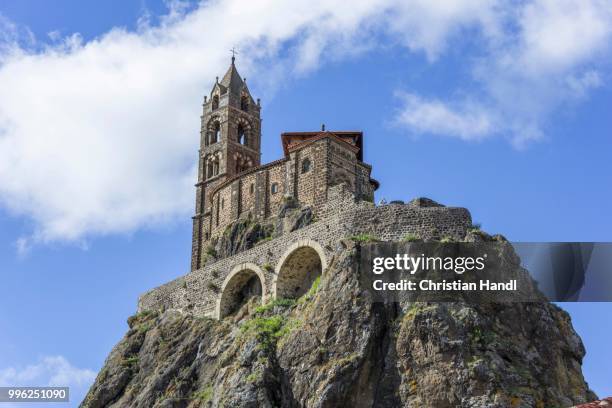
[(230, 143)]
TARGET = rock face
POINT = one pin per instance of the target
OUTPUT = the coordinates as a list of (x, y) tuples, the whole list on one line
[(335, 347), (246, 233)]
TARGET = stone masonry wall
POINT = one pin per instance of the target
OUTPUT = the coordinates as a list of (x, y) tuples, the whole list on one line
[(342, 216)]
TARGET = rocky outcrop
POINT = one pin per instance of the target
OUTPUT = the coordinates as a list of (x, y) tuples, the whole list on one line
[(245, 233), (335, 347)]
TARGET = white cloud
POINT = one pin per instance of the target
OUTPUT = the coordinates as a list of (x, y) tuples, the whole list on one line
[(533, 60), (51, 371), (557, 35), (466, 121), (99, 137), (429, 26)]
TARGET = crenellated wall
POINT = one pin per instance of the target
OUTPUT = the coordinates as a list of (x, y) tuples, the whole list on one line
[(340, 217)]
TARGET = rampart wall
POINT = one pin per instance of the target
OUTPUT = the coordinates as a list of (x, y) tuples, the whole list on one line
[(341, 216)]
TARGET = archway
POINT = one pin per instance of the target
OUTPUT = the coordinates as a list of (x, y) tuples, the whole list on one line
[(243, 283), (296, 271)]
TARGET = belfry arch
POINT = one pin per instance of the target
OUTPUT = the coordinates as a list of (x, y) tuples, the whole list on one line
[(244, 282), (298, 268)]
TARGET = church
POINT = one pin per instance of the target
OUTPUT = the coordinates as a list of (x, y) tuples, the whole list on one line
[(249, 237), (232, 183)]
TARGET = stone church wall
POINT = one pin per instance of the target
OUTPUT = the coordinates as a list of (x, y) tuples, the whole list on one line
[(341, 217)]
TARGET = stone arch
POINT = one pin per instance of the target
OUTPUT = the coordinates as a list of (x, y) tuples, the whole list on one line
[(298, 268), (212, 165), (242, 162), (243, 282), (213, 130), (244, 134)]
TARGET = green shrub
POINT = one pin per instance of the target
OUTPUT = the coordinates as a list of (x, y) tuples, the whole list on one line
[(254, 376), (314, 288), (211, 251), (446, 240), (280, 302), (266, 329), (410, 238), (130, 361), (475, 227), (143, 328), (204, 395), (364, 238), (269, 329), (139, 318), (268, 267)]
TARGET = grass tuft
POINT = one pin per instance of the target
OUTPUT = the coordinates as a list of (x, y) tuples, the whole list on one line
[(364, 238)]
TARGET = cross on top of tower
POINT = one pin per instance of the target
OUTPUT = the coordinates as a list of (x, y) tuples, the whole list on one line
[(234, 53)]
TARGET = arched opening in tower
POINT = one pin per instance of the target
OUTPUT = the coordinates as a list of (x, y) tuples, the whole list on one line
[(243, 287), (242, 139), (298, 272), (216, 133)]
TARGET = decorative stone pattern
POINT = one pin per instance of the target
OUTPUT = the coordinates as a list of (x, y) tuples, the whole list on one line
[(340, 217)]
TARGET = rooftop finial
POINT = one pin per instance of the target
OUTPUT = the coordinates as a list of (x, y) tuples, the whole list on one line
[(323, 127), (234, 52)]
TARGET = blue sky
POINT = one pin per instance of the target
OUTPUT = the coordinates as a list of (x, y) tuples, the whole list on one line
[(500, 110)]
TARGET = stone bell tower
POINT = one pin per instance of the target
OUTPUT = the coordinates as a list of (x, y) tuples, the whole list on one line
[(230, 143)]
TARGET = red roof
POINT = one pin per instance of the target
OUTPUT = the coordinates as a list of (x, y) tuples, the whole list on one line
[(606, 402), (294, 140)]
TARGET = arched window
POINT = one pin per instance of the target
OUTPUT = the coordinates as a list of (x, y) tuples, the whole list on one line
[(215, 102), (244, 103), (216, 133), (216, 166), (242, 139), (274, 188), (209, 169), (242, 163), (305, 165)]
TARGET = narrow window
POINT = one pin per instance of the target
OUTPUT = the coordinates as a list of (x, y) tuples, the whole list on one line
[(216, 134), (241, 135), (215, 102), (244, 103), (216, 166), (222, 203), (305, 165), (251, 189), (209, 169), (274, 188)]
